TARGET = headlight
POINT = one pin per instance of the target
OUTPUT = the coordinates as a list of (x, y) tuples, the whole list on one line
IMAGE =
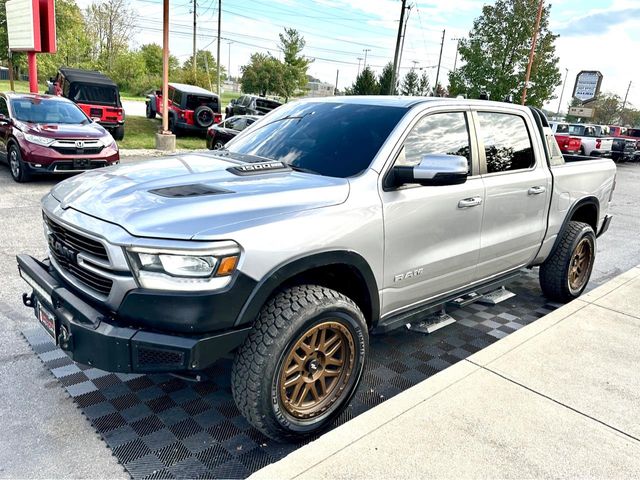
[(38, 140), (184, 270)]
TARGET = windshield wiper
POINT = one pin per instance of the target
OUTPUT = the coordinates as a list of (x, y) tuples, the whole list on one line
[(302, 169)]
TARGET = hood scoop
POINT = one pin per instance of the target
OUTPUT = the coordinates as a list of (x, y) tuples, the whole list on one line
[(186, 191)]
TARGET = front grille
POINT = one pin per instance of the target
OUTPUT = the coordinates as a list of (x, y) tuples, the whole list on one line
[(149, 358), (71, 244), (72, 150)]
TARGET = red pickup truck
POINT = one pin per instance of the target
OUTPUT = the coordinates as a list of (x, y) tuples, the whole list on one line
[(568, 145)]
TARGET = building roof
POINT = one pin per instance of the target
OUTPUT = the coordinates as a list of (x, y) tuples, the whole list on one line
[(183, 87), (86, 76)]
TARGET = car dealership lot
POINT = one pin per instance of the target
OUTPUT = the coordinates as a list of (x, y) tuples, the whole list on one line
[(38, 418)]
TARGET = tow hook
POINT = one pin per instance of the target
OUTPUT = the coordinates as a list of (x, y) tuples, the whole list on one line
[(64, 338), (28, 300)]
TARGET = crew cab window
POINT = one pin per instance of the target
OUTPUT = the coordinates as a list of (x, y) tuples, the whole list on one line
[(4, 110), (507, 145), (562, 128), (437, 133)]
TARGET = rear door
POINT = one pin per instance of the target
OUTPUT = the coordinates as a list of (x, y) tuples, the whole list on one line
[(432, 233), (518, 184)]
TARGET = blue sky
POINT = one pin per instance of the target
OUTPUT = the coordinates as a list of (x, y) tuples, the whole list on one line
[(595, 34)]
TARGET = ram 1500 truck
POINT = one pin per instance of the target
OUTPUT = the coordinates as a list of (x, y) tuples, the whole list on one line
[(329, 220)]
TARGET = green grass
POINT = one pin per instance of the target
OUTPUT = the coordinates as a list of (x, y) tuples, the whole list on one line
[(140, 132), (226, 97), (20, 86)]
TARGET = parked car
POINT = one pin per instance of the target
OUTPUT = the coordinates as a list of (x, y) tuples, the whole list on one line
[(218, 135), (569, 145), (299, 240), (191, 109), (595, 142), (49, 134), (95, 93), (251, 105), (624, 145)]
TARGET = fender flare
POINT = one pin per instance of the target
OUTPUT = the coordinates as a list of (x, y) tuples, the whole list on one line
[(283, 272), (590, 200)]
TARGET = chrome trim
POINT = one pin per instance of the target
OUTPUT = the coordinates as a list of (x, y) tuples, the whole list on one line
[(68, 143)]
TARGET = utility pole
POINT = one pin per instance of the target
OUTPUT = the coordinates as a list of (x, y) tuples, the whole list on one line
[(404, 35), (415, 62), (564, 84), (455, 62), (335, 92), (229, 67), (534, 40), (195, 6), (359, 60), (219, 27), (435, 88), (165, 67), (624, 104), (365, 50), (397, 54)]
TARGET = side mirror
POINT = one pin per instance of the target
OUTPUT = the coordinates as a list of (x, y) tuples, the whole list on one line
[(433, 169)]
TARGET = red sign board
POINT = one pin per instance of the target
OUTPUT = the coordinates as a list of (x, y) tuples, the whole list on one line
[(31, 25)]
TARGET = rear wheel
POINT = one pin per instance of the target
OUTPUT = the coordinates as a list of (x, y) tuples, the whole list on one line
[(565, 274), (218, 145), (19, 169), (301, 363), (118, 133)]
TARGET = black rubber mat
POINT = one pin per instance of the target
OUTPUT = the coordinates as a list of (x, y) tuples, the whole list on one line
[(159, 426)]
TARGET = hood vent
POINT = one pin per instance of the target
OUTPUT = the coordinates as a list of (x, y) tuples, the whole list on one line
[(185, 191)]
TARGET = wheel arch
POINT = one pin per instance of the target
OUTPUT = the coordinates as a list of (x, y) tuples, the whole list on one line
[(585, 210), (342, 270)]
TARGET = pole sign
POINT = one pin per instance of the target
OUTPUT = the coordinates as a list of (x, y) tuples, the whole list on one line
[(587, 85), (31, 25), (581, 112)]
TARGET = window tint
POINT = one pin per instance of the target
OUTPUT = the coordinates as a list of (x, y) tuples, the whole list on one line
[(507, 145), (96, 94), (329, 138), (4, 110), (438, 133), (233, 123), (175, 96)]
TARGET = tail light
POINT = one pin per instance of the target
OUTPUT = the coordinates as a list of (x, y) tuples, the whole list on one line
[(598, 143)]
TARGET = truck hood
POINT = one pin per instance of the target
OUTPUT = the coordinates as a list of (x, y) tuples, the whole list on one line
[(181, 196)]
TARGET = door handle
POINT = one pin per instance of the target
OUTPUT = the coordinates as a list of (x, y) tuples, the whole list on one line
[(537, 190), (470, 202)]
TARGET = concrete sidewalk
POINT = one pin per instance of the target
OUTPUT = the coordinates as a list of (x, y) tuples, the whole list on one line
[(558, 398)]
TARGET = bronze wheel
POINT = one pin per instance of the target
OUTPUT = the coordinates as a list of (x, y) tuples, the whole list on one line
[(316, 370), (580, 266)]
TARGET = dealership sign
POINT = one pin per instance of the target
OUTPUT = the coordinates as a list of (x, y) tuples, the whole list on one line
[(581, 112), (587, 85), (31, 25)]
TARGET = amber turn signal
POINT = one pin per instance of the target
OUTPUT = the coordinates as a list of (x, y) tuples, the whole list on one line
[(227, 266)]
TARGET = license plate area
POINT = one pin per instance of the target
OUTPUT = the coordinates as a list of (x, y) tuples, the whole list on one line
[(47, 319), (81, 164)]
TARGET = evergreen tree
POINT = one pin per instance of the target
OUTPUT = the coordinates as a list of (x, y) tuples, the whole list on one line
[(424, 86), (385, 79), (365, 84), (410, 84)]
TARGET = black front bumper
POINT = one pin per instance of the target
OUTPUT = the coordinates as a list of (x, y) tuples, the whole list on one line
[(93, 337)]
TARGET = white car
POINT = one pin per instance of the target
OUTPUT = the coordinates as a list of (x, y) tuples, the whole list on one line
[(595, 142)]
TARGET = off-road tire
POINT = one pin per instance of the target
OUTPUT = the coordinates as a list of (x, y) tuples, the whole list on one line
[(118, 133), (284, 321), (150, 112), (19, 171), (197, 116), (555, 272)]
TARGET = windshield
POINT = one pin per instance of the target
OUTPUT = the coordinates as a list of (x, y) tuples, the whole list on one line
[(41, 110), (331, 139)]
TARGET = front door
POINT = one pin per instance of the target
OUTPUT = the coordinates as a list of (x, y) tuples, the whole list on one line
[(517, 190), (432, 233)]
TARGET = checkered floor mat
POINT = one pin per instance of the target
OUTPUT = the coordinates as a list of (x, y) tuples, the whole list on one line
[(159, 426)]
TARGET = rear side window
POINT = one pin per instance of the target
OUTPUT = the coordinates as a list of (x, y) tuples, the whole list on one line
[(507, 145), (437, 133), (562, 128), (4, 110), (175, 96), (195, 101)]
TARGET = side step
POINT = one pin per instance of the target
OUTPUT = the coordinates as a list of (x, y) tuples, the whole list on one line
[(497, 296), (432, 323)]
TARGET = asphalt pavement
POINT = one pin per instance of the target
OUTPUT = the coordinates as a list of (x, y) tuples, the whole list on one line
[(43, 435)]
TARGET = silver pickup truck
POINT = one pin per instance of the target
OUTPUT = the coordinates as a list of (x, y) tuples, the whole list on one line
[(324, 222)]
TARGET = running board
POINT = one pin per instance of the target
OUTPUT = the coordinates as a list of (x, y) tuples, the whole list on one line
[(497, 296), (432, 323)]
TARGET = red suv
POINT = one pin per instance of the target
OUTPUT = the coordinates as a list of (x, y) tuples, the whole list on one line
[(191, 109), (49, 134)]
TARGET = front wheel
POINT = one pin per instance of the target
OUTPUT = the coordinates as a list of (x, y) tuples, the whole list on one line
[(565, 274), (19, 169), (301, 363)]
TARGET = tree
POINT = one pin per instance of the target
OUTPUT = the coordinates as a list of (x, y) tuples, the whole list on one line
[(294, 71), (410, 84), (496, 54), (385, 79), (206, 74), (440, 91), (262, 75), (608, 108), (424, 86), (111, 25), (365, 84), (152, 56)]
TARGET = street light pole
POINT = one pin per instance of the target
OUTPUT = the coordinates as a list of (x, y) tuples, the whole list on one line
[(165, 67), (229, 67), (365, 50), (218, 59), (359, 60), (566, 74)]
